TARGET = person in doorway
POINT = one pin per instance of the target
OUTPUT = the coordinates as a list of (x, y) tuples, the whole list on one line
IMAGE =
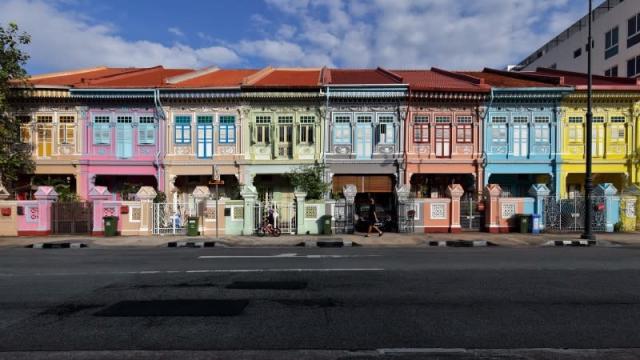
[(373, 219)]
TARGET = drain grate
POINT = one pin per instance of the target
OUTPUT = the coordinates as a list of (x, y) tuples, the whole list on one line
[(187, 307), (268, 285)]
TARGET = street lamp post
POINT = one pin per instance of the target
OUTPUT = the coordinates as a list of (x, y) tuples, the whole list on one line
[(588, 177)]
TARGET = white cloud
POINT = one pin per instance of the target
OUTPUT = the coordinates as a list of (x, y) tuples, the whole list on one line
[(175, 31), (424, 33), (357, 33), (65, 40)]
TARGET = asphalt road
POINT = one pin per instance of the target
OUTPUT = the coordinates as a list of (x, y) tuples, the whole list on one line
[(348, 303)]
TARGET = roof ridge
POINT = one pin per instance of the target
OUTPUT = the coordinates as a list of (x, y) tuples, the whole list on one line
[(134, 71), (389, 74), (553, 80), (460, 76), (191, 75), (67, 73), (261, 74)]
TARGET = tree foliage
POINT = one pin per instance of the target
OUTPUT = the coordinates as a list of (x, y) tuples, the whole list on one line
[(15, 157), (309, 179)]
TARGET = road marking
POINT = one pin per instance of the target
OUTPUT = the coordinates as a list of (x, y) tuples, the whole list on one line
[(198, 271), (283, 256)]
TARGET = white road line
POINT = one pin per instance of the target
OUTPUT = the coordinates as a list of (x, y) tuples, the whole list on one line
[(283, 256), (199, 271)]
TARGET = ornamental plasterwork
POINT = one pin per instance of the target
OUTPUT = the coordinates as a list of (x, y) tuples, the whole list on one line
[(364, 108), (226, 149), (466, 149), (386, 149), (439, 211), (508, 210), (342, 149), (423, 149)]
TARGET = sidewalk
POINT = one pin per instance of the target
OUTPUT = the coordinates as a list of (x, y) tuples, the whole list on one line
[(388, 240)]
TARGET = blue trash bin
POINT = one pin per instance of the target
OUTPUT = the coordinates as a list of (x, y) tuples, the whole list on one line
[(535, 224)]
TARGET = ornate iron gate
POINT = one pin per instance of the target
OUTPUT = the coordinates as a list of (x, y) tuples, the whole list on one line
[(72, 217), (171, 218), (343, 217), (568, 214), (286, 215), (471, 218)]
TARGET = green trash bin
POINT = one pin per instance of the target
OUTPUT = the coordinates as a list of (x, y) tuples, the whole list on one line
[(110, 225), (192, 226), (523, 223), (326, 224)]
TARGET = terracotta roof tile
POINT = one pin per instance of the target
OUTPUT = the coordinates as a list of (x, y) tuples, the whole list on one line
[(286, 78), (146, 77), (377, 76), (73, 77), (440, 80), (504, 79), (217, 78)]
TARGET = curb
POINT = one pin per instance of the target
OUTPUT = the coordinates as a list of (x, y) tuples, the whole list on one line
[(461, 243), (580, 243), (64, 245), (191, 244), (328, 243)]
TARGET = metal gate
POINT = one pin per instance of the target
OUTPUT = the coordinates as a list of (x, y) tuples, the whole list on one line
[(285, 215), (171, 218), (568, 214), (406, 216), (72, 217), (471, 218), (343, 217)]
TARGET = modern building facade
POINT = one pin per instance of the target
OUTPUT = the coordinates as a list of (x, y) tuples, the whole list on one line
[(616, 43)]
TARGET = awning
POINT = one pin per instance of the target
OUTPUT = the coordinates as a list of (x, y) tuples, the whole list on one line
[(364, 183)]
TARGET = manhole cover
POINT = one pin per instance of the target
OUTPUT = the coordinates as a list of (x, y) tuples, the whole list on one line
[(268, 285), (196, 307)]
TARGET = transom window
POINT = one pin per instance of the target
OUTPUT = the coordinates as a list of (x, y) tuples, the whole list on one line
[(421, 119), (285, 119), (204, 119), (499, 119), (124, 119), (598, 119), (385, 119), (44, 118), (307, 119), (364, 118), (618, 119), (575, 119), (66, 119), (342, 119), (464, 119), (263, 119), (443, 119), (542, 119), (520, 119)]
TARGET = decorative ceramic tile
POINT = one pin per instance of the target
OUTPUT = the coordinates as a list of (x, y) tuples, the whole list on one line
[(508, 210), (109, 211), (136, 213), (238, 213), (210, 213), (33, 214), (311, 212), (630, 210), (439, 211)]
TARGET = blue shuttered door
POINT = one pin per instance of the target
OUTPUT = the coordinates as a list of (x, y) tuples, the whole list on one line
[(124, 140), (205, 140)]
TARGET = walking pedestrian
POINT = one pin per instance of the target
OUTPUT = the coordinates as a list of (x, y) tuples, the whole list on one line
[(373, 219)]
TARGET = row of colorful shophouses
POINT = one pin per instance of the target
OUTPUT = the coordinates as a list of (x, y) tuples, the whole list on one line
[(438, 151)]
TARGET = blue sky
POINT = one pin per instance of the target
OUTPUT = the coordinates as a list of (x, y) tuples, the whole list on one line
[(455, 34)]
